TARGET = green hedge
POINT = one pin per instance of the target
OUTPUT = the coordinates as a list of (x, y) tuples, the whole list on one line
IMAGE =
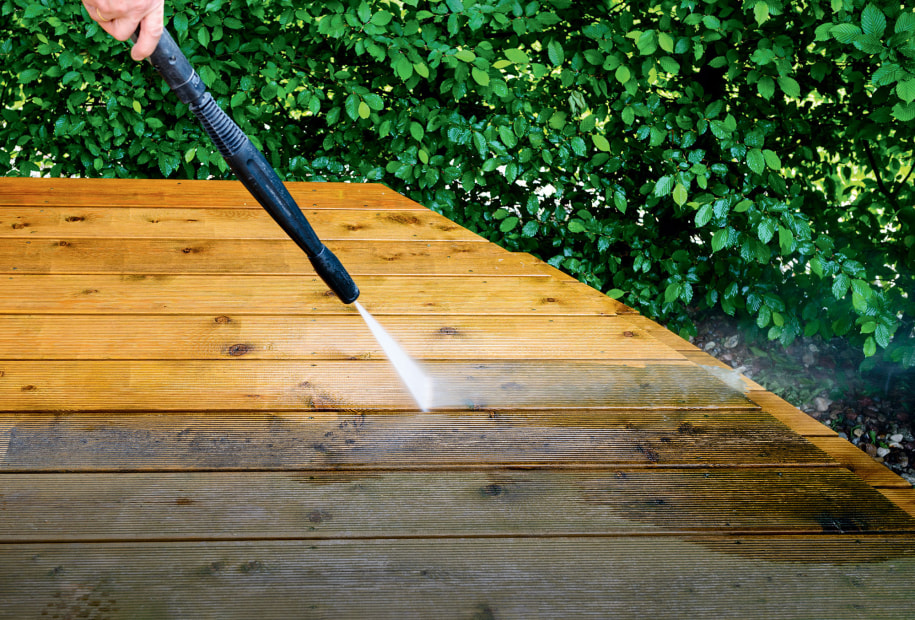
[(754, 156)]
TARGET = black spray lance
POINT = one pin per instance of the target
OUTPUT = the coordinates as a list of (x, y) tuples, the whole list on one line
[(249, 165), (252, 169)]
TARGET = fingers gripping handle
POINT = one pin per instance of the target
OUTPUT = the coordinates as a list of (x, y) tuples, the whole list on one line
[(249, 165)]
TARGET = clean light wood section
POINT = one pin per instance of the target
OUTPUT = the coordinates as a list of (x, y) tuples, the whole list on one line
[(193, 426)]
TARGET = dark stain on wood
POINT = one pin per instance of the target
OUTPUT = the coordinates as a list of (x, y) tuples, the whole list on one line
[(238, 350), (74, 218), (404, 218), (223, 319)]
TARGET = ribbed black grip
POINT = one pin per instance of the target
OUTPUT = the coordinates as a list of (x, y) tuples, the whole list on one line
[(249, 164), (226, 135)]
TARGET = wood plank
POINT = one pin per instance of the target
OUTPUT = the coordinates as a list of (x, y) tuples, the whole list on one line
[(65, 192), (274, 257), (874, 473), (239, 384), (796, 419), (633, 576), (180, 441), (294, 295), (903, 498), (189, 223), (457, 337), (371, 504)]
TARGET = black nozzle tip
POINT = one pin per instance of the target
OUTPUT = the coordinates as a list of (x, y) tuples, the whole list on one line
[(331, 270)]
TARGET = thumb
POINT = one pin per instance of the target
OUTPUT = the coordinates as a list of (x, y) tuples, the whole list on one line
[(150, 31)]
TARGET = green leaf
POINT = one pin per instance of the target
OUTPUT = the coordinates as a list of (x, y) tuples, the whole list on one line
[(480, 76), (555, 52), (465, 55), (530, 229), (840, 286), (870, 347), (647, 43), (883, 335), (904, 113), (704, 215), (873, 21), (29, 75), (869, 44), (670, 65), (756, 161), (382, 18), (766, 87), (845, 33), (772, 159), (766, 229), (906, 90), (680, 194), (364, 110), (622, 74), (785, 240), (517, 56), (509, 224), (600, 142), (666, 42), (576, 226), (403, 67), (374, 101), (720, 240), (179, 23), (663, 186), (138, 109), (905, 23), (672, 293), (789, 86), (761, 12)]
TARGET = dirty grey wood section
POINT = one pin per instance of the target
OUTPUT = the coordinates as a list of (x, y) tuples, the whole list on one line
[(191, 426)]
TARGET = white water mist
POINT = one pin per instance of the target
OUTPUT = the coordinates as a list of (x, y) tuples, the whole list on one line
[(417, 381)]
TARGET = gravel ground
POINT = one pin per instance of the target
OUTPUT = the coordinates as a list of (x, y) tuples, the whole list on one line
[(874, 411)]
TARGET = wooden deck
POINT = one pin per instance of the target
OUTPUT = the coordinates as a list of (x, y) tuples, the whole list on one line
[(192, 427)]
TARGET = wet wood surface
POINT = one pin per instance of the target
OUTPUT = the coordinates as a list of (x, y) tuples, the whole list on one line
[(191, 426)]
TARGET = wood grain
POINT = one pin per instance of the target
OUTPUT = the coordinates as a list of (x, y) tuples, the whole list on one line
[(129, 193), (278, 257), (239, 384), (193, 223), (341, 505), (763, 577), (291, 295), (270, 440), (455, 337)]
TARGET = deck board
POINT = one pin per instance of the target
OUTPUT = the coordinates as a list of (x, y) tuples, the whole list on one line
[(586, 577), (191, 425), (286, 441)]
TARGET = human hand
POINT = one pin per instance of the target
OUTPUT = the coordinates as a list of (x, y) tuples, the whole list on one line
[(120, 19)]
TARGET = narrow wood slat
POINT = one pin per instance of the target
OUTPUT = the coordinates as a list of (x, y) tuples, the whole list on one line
[(180, 441), (294, 295), (66, 192), (184, 223), (790, 415), (765, 577), (331, 385), (271, 505), (904, 498), (273, 257), (457, 337), (874, 473)]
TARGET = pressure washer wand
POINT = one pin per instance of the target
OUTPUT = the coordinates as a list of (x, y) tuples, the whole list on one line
[(249, 165)]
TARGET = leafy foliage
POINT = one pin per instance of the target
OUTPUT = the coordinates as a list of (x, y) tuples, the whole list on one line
[(752, 155)]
